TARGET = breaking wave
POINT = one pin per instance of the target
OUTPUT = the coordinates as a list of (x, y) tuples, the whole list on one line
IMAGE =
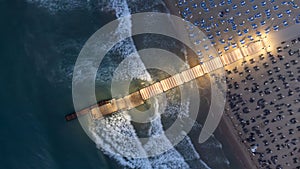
[(116, 133)]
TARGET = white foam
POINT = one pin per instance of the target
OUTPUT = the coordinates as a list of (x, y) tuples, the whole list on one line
[(136, 68), (116, 136), (158, 143), (54, 6), (112, 133)]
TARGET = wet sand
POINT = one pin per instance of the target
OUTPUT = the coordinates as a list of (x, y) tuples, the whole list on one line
[(230, 139)]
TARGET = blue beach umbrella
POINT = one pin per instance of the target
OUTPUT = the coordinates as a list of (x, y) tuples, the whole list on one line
[(254, 7), (285, 23), (243, 3), (234, 7), (298, 19)]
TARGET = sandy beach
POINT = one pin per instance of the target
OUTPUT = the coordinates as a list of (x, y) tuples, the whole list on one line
[(254, 135)]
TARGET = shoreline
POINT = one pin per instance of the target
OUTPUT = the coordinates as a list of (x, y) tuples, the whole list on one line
[(225, 130), (232, 141)]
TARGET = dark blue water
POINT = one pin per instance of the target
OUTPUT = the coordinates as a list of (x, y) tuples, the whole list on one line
[(36, 94)]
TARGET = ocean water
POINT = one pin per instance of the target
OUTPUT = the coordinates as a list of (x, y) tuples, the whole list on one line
[(40, 41)]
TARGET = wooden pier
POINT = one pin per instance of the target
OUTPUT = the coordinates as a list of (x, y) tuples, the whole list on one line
[(139, 97)]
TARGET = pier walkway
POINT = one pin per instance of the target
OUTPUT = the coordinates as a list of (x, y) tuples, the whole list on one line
[(139, 97)]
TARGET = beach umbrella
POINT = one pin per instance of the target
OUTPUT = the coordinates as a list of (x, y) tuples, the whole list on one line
[(243, 3), (254, 7)]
